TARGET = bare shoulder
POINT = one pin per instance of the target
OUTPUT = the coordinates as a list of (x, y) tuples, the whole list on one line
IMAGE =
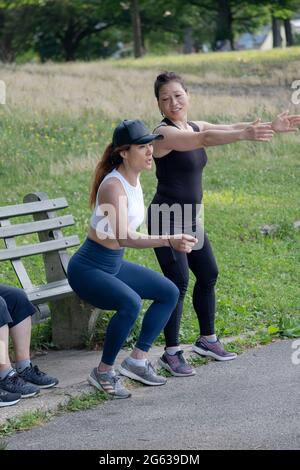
[(110, 190)]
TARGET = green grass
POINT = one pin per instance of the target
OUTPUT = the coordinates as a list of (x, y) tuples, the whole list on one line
[(36, 418), (230, 64), (246, 185)]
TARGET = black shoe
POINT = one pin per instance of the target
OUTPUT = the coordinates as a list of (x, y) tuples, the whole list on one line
[(13, 383), (8, 399), (35, 376)]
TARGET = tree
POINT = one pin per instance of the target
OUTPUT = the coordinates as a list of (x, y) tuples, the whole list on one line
[(56, 28), (283, 10), (136, 28)]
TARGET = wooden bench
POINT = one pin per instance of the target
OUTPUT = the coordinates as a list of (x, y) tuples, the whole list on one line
[(73, 320)]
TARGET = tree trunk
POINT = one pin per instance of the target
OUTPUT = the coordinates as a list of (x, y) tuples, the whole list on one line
[(224, 31), (288, 32), (68, 42), (188, 46), (136, 28), (277, 39)]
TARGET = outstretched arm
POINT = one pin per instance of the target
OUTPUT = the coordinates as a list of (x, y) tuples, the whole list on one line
[(177, 139), (207, 126), (282, 123), (285, 123)]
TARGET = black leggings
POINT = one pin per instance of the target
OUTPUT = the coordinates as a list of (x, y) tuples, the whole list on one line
[(175, 265)]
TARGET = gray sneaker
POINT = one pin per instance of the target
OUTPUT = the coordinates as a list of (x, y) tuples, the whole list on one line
[(215, 350), (145, 374), (109, 383)]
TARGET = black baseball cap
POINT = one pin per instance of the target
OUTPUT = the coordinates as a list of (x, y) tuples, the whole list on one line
[(133, 132)]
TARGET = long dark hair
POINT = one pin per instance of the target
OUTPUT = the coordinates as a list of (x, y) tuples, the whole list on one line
[(110, 159), (167, 77)]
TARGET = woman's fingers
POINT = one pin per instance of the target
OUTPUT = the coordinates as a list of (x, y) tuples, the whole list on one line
[(189, 238), (256, 122), (284, 113)]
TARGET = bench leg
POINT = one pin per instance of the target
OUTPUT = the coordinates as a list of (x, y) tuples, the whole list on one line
[(73, 322)]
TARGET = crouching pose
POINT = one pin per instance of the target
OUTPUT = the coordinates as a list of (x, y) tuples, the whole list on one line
[(98, 272)]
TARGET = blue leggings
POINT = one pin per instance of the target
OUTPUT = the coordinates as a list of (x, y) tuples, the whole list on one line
[(101, 277)]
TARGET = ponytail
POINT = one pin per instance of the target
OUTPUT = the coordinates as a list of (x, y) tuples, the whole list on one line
[(110, 159)]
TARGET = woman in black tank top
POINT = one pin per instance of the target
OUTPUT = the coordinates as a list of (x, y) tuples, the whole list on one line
[(180, 159)]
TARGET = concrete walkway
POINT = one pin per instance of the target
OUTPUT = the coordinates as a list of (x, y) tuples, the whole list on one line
[(252, 402)]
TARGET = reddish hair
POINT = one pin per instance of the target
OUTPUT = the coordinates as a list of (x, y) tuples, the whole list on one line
[(110, 159)]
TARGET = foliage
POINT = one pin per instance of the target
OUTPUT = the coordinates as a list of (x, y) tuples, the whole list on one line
[(65, 30)]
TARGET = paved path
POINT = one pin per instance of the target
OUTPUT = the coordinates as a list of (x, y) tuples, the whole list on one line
[(250, 403)]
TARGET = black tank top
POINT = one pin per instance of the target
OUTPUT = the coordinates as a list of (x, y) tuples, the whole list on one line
[(179, 174)]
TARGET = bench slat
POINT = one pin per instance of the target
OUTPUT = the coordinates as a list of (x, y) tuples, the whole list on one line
[(32, 207), (35, 227), (39, 248), (17, 264), (52, 291)]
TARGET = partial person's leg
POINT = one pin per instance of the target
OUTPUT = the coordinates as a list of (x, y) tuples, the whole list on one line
[(5, 318), (203, 264), (21, 310), (151, 285), (10, 382), (7, 398), (21, 336), (174, 266), (106, 291)]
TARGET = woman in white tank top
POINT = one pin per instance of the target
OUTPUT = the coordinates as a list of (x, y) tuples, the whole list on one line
[(98, 272)]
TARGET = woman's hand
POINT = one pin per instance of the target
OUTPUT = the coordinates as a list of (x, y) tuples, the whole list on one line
[(285, 123), (261, 132), (182, 242)]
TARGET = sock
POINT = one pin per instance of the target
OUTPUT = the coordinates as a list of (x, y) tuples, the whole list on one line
[(173, 350), (211, 338), (137, 362), (21, 365), (4, 373)]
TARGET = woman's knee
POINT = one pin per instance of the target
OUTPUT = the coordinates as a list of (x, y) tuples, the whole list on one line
[(210, 278), (169, 292), (20, 297), (131, 307)]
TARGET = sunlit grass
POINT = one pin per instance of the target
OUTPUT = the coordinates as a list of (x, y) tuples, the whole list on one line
[(59, 118)]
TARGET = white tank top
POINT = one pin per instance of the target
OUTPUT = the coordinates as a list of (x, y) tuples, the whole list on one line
[(135, 207)]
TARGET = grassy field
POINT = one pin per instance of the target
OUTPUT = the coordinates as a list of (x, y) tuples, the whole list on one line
[(58, 119)]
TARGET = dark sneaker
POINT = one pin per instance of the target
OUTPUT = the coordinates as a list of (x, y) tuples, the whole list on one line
[(145, 374), (35, 376), (176, 364), (108, 383), (8, 399), (215, 350), (13, 383)]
